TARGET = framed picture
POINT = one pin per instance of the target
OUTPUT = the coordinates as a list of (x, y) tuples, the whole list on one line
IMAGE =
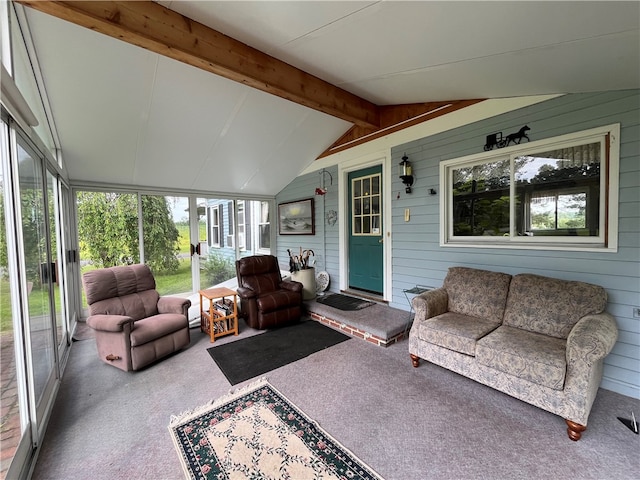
[(296, 218)]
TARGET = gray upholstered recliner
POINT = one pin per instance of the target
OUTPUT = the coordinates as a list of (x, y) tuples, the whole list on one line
[(134, 325)]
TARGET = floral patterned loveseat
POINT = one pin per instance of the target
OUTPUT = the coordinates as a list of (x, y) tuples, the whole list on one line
[(539, 339)]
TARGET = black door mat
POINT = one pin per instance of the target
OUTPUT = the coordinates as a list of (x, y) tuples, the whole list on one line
[(344, 302)]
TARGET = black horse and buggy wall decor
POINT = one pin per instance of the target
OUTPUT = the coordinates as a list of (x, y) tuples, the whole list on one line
[(498, 141)]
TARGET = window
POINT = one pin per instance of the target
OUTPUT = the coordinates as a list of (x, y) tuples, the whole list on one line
[(264, 236), (554, 193), (231, 232), (241, 226), (214, 226), (366, 205)]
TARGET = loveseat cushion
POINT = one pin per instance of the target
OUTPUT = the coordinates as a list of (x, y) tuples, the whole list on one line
[(455, 331), (152, 328), (477, 293), (551, 306), (531, 356)]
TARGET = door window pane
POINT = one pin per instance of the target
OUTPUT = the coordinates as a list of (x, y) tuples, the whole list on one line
[(56, 266), (40, 272), (366, 205), (11, 429), (166, 242), (217, 265)]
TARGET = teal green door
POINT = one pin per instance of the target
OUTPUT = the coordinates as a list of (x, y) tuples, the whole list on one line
[(365, 230)]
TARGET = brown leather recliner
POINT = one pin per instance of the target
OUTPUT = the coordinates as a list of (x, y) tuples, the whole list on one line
[(134, 325), (266, 300)]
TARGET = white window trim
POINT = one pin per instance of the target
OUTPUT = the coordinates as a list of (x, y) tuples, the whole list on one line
[(241, 226), (216, 211), (258, 223), (609, 186)]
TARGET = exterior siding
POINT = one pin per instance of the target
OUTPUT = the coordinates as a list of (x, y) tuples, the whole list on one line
[(419, 259), (325, 241)]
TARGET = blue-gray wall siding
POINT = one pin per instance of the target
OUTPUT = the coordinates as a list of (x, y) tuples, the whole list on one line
[(325, 241), (417, 257)]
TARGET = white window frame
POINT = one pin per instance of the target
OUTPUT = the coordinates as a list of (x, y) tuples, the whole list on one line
[(216, 216), (607, 240), (259, 224), (241, 225)]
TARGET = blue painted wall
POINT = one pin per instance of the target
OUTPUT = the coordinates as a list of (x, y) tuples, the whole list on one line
[(418, 258)]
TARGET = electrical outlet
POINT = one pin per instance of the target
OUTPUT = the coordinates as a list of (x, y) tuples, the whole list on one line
[(636, 312)]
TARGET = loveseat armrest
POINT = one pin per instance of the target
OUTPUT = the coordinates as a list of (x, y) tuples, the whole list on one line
[(591, 339), (109, 323), (171, 304), (291, 285), (430, 303), (246, 293)]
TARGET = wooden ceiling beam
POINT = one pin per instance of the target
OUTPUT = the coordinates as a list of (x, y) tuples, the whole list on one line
[(151, 26), (394, 118)]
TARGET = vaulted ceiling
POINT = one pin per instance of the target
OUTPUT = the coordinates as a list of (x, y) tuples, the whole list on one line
[(240, 97)]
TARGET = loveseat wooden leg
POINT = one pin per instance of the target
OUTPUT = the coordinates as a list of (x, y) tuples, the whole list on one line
[(415, 360), (574, 430)]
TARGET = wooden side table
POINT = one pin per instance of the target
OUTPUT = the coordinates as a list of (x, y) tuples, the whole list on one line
[(214, 320)]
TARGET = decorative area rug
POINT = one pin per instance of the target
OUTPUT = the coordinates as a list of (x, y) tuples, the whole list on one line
[(344, 302), (254, 356), (257, 433)]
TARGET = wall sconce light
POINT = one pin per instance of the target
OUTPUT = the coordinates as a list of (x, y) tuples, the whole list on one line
[(321, 190), (406, 173)]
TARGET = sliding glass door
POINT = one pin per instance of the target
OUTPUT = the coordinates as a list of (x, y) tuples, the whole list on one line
[(33, 308), (167, 242), (40, 275)]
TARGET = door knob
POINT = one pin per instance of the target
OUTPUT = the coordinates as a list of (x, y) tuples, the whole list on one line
[(381, 240)]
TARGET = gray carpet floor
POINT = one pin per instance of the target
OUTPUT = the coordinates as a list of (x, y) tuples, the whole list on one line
[(405, 423)]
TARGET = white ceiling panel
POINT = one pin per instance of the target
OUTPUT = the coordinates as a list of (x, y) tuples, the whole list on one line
[(267, 25), (511, 74), (98, 100), (181, 132)]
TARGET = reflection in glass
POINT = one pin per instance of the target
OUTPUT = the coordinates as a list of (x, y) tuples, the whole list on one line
[(40, 271), (264, 226), (481, 199), (357, 188), (12, 429), (56, 244), (375, 204), (558, 191), (357, 206), (366, 205), (357, 225), (375, 185)]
